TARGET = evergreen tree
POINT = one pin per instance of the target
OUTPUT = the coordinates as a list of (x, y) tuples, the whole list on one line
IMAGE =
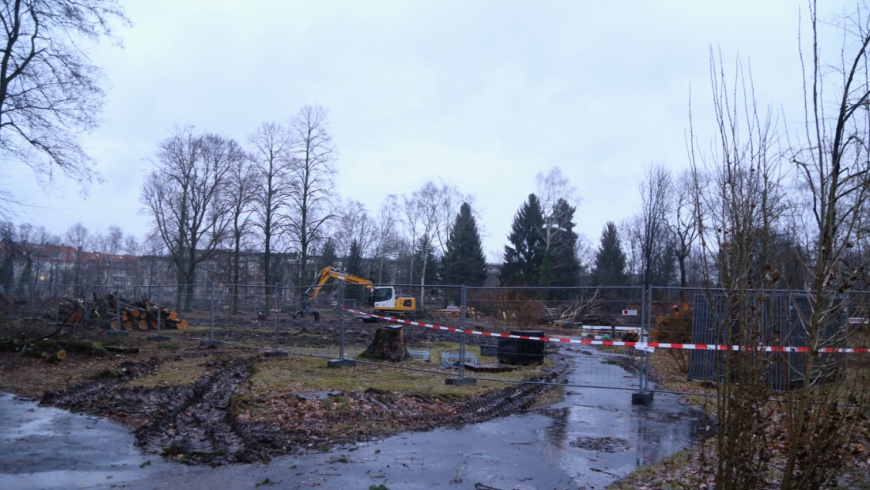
[(524, 257), (354, 266), (610, 259), (354, 259), (464, 261), (564, 268), (328, 256)]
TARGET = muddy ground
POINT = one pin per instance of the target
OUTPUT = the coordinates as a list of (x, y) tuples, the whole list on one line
[(219, 417)]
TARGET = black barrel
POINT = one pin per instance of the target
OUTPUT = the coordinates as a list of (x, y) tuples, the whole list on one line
[(522, 351)]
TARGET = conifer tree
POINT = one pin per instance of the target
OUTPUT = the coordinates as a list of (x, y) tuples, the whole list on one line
[(610, 259), (328, 256), (525, 255), (354, 266), (564, 268), (464, 261)]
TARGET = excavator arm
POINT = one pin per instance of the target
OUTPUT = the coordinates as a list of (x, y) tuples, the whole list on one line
[(328, 273)]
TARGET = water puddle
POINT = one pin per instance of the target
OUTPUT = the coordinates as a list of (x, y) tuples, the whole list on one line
[(590, 439)]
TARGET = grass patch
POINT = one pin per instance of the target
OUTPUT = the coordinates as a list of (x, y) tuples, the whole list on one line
[(307, 374), (175, 373)]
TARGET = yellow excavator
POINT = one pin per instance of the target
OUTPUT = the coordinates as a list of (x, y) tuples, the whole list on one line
[(382, 299)]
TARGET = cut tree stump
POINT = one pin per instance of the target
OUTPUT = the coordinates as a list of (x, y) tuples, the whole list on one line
[(388, 344)]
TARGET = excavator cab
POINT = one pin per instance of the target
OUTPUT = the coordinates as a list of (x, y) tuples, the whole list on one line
[(384, 299)]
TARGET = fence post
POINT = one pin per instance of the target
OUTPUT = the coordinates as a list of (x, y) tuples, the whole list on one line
[(276, 352), (341, 361), (462, 380), (159, 335), (211, 342), (118, 330), (644, 396)]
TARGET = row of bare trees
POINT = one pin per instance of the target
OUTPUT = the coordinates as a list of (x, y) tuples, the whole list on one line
[(275, 196), (209, 192)]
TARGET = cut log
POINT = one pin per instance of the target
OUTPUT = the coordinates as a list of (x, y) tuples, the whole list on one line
[(388, 344)]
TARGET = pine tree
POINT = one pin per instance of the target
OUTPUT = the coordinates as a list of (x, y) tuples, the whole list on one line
[(564, 266), (354, 259), (464, 261), (524, 257), (328, 256), (354, 266), (610, 259)]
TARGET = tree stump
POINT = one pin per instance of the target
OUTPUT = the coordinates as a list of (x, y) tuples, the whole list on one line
[(388, 344)]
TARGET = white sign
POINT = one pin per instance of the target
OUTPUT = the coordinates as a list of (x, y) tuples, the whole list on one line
[(629, 312), (857, 320)]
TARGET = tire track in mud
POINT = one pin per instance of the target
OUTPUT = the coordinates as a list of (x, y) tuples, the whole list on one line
[(196, 424), (195, 421), (192, 421)]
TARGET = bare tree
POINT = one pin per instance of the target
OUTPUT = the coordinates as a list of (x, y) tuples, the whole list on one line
[(109, 244), (313, 170), (741, 205), (683, 224), (655, 194), (185, 198), (272, 156), (352, 222), (49, 90), (79, 238), (131, 245), (386, 239), (834, 165), (429, 212), (112, 242), (242, 184), (550, 189)]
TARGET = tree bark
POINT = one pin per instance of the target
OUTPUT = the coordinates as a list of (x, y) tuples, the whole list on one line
[(388, 344)]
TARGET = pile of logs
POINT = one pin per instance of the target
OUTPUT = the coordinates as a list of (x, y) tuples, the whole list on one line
[(141, 315)]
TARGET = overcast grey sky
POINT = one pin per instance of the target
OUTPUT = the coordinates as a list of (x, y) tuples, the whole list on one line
[(484, 94)]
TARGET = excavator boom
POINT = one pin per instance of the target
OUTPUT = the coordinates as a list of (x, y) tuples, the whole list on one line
[(328, 273)]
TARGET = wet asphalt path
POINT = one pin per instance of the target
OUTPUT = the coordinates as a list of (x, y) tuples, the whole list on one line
[(592, 438)]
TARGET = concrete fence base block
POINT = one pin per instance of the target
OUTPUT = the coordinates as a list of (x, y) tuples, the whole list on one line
[(340, 363), (642, 397), (159, 337), (460, 381), (118, 332)]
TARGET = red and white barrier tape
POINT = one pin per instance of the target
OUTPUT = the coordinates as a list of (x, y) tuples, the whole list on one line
[(648, 346)]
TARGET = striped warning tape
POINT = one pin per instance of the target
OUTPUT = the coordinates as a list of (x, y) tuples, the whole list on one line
[(648, 346)]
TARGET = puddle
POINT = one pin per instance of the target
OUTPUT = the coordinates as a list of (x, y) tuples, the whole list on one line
[(590, 439)]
